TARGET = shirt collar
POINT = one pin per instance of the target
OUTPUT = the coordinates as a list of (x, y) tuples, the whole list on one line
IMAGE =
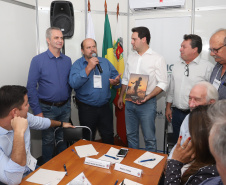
[(196, 60), (51, 55), (4, 131), (149, 51)]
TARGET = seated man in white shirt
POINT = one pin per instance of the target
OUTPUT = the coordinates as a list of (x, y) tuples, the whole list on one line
[(15, 124), (202, 93)]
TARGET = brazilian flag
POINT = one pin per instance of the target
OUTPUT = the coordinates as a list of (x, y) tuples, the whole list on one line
[(108, 52)]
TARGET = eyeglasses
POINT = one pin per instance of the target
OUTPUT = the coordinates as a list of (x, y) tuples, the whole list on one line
[(186, 73), (216, 50)]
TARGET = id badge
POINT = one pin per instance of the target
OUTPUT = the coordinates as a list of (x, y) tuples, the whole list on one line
[(97, 81), (31, 161), (216, 83)]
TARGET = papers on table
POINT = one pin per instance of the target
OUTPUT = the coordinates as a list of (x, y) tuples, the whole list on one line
[(86, 150), (80, 180), (149, 155), (129, 182), (112, 152), (43, 176)]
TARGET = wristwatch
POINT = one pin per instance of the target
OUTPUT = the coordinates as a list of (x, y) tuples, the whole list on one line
[(61, 125)]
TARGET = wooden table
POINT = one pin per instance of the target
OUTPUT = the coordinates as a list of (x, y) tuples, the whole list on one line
[(99, 176)]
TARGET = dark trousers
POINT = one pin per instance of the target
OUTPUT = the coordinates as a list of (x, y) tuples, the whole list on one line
[(177, 119), (100, 118)]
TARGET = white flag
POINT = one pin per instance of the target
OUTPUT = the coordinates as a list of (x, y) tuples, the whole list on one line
[(90, 29)]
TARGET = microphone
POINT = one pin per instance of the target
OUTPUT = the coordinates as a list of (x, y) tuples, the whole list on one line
[(98, 65)]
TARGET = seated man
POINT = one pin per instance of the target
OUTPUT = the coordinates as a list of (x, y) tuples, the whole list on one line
[(202, 93), (15, 124)]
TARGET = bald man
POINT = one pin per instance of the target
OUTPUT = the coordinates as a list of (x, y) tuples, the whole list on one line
[(92, 89), (218, 51)]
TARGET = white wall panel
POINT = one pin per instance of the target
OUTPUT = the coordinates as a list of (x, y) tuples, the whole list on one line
[(18, 43)]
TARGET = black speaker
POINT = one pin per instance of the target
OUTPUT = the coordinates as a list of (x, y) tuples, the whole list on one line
[(62, 16)]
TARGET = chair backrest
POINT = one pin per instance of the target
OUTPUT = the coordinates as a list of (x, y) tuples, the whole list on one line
[(72, 135)]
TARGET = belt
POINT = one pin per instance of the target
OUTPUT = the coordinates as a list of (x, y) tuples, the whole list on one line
[(57, 104), (81, 103)]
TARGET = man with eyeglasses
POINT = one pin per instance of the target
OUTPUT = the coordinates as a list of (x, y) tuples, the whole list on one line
[(190, 70), (218, 51)]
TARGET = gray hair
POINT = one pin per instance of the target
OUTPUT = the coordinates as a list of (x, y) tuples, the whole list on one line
[(218, 140), (49, 31), (212, 93), (217, 111)]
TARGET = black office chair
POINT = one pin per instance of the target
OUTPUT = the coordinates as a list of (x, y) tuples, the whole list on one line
[(169, 140), (71, 135)]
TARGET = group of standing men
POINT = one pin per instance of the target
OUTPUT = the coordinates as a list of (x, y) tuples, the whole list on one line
[(191, 70), (51, 77)]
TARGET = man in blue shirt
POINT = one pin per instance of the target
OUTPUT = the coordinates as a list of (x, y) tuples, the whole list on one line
[(15, 125), (92, 89), (48, 90)]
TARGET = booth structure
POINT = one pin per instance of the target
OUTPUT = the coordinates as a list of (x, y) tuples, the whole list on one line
[(24, 22)]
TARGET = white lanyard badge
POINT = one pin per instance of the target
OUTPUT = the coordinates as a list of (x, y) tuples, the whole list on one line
[(217, 83), (97, 81)]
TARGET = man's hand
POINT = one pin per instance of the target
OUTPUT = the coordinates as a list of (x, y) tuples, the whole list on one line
[(185, 152), (92, 63), (40, 115), (67, 125), (19, 124), (116, 80), (168, 114), (142, 101), (120, 102)]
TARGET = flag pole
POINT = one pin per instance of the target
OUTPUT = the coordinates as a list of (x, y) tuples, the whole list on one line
[(117, 11), (105, 6), (89, 6)]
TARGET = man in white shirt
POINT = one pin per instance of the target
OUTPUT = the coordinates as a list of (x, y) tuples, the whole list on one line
[(143, 61), (186, 73), (202, 93)]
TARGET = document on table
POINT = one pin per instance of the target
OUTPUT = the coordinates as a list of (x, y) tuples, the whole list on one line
[(112, 152), (80, 180), (86, 150), (129, 182), (149, 164), (43, 176)]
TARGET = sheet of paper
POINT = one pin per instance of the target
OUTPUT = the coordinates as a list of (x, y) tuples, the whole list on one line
[(149, 164), (129, 182), (80, 180), (86, 150), (43, 176), (112, 152)]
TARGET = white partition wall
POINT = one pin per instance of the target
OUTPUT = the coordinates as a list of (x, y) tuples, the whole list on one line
[(18, 42)]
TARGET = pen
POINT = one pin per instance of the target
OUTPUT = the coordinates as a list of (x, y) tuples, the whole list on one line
[(116, 182), (74, 152), (65, 169), (147, 160), (116, 158), (122, 182)]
